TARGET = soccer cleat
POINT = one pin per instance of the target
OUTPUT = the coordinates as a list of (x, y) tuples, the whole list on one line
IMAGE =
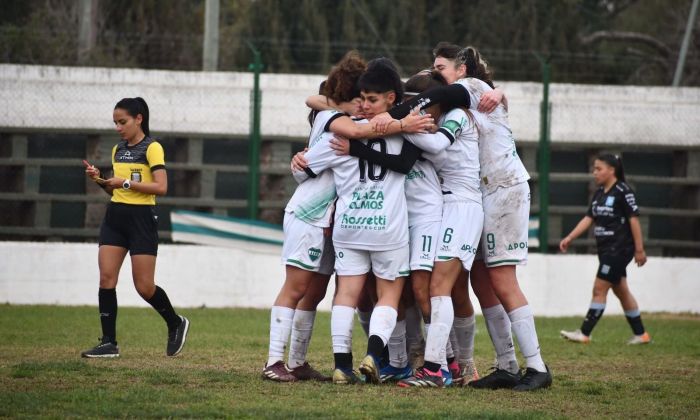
[(447, 375), (306, 373), (391, 374), (640, 339), (278, 372), (426, 379), (370, 368), (468, 373), (455, 372), (177, 337), (345, 377), (533, 380), (576, 336), (498, 379), (106, 349)]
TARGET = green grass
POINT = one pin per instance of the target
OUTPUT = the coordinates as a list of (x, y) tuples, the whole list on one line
[(42, 375)]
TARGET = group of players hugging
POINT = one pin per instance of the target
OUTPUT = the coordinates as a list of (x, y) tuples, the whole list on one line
[(408, 192)]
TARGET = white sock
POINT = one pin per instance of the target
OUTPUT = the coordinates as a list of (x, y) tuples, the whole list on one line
[(465, 330), (302, 327), (449, 347), (441, 317), (443, 362), (453, 343), (280, 327), (398, 357), (342, 318), (523, 324), (498, 326), (383, 322), (414, 335), (364, 318)]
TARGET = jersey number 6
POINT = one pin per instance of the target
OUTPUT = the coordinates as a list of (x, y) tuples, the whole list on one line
[(370, 172)]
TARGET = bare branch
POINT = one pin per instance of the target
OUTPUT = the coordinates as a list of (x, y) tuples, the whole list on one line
[(621, 36)]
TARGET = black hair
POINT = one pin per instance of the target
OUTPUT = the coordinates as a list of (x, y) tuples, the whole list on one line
[(616, 162), (446, 50), (134, 107), (424, 80), (476, 66), (381, 76)]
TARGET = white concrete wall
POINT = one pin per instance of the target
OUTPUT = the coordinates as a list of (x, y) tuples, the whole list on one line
[(217, 103), (193, 276)]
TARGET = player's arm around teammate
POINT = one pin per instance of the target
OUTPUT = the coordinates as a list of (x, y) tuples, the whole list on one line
[(130, 225), (308, 254), (618, 234), (457, 163), (506, 199)]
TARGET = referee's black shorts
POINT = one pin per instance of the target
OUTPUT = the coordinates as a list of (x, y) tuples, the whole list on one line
[(131, 226), (612, 268)]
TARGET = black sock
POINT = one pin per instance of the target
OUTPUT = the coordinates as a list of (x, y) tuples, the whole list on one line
[(343, 361), (450, 360), (161, 304), (107, 303), (375, 346), (431, 366), (636, 324), (595, 312), (384, 359)]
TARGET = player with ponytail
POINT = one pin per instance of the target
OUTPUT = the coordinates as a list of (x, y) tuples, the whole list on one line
[(618, 235), (131, 225)]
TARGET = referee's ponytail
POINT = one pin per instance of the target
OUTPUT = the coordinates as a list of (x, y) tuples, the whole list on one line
[(134, 107), (616, 162)]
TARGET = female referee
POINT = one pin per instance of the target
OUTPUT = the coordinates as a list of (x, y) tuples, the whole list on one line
[(130, 224), (618, 236)]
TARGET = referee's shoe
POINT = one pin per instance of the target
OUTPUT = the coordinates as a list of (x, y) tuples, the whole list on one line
[(177, 337), (106, 349)]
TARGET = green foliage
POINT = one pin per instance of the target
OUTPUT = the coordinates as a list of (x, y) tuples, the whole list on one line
[(308, 36), (218, 374)]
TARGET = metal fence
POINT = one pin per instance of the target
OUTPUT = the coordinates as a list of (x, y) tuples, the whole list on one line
[(205, 123)]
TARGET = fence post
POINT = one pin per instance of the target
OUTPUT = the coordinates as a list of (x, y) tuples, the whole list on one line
[(254, 147), (544, 155)]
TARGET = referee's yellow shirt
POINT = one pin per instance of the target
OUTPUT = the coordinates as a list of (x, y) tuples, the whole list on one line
[(137, 163)]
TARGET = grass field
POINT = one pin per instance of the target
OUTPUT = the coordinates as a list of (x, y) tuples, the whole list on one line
[(217, 375)]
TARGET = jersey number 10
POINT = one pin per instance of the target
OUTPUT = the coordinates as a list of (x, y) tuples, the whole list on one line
[(369, 169)]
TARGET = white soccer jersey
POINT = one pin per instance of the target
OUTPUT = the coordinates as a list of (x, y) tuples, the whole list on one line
[(500, 163), (313, 200), (454, 152), (423, 194), (371, 208)]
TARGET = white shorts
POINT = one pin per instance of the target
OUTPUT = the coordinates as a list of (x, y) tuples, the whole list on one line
[(387, 265), (506, 225), (306, 247), (460, 231), (423, 241)]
